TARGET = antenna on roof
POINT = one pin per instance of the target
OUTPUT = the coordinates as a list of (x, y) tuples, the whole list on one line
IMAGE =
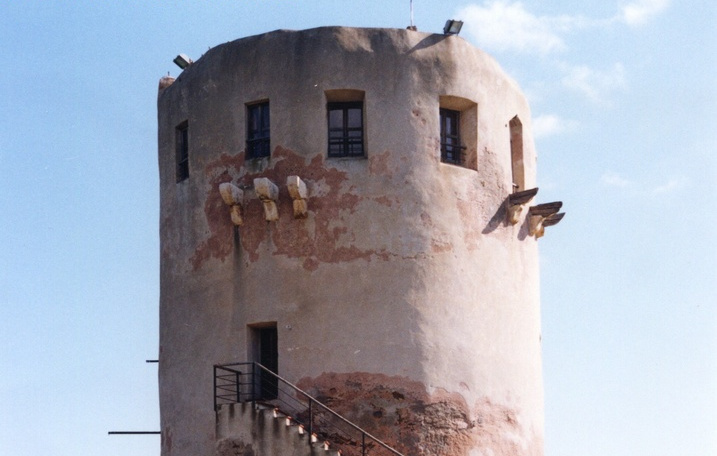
[(412, 27)]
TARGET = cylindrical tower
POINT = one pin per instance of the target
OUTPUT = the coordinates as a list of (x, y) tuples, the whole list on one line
[(397, 288)]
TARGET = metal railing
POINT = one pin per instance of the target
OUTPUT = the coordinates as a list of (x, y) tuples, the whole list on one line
[(252, 382)]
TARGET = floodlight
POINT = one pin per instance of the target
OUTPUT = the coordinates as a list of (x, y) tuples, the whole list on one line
[(452, 27), (182, 61)]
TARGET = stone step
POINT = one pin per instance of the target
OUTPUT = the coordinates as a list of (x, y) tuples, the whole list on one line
[(232, 416)]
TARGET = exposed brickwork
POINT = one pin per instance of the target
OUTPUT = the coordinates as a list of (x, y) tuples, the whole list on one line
[(404, 415)]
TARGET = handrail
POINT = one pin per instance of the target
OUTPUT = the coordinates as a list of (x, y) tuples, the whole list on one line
[(228, 389)]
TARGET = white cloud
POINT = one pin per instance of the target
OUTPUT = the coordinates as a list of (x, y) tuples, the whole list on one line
[(597, 86), (550, 125), (612, 179), (505, 26), (670, 186), (640, 11)]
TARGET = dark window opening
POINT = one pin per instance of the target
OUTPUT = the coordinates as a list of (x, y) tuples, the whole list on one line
[(345, 129), (451, 149), (182, 151), (257, 130)]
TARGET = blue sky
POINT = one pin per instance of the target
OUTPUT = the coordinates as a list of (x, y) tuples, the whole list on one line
[(624, 108)]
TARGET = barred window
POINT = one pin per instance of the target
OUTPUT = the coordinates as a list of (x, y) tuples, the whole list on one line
[(458, 118), (346, 136), (451, 149)]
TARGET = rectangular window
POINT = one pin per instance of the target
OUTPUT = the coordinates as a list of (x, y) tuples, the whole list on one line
[(345, 129), (451, 149), (458, 118), (257, 130), (182, 151)]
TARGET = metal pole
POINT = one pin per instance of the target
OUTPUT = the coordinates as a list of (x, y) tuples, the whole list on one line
[(311, 420), (253, 381), (363, 444), (238, 379), (215, 388), (411, 14)]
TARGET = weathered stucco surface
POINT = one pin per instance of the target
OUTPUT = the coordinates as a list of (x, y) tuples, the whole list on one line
[(403, 277)]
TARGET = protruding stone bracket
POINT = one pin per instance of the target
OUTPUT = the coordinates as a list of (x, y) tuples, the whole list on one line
[(544, 215), (233, 197), (298, 192), (516, 201), (268, 193), (553, 219)]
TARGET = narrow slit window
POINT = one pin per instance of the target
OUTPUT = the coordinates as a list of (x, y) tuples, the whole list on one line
[(182, 151), (516, 154)]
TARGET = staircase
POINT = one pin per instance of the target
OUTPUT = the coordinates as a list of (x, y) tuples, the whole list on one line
[(255, 429), (258, 413)]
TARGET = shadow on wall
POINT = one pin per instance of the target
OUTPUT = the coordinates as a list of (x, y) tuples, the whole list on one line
[(500, 218), (427, 42)]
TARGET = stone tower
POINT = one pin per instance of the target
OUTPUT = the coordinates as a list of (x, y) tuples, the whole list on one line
[(343, 195)]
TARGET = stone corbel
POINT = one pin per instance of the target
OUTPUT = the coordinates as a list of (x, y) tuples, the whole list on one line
[(268, 193), (233, 197), (544, 215), (553, 219), (298, 192), (516, 201)]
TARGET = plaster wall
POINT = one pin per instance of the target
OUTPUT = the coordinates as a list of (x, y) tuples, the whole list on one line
[(404, 278)]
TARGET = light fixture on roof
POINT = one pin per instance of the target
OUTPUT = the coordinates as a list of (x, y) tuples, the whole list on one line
[(182, 61), (452, 27)]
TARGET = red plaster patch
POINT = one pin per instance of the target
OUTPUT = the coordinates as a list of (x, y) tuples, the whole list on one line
[(311, 264), (470, 216), (326, 243), (384, 201), (378, 164), (439, 244), (219, 243)]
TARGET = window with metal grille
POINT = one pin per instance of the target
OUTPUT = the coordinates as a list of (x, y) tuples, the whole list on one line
[(451, 149), (182, 151), (257, 130), (345, 129)]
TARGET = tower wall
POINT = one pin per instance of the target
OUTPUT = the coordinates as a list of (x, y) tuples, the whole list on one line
[(404, 298)]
